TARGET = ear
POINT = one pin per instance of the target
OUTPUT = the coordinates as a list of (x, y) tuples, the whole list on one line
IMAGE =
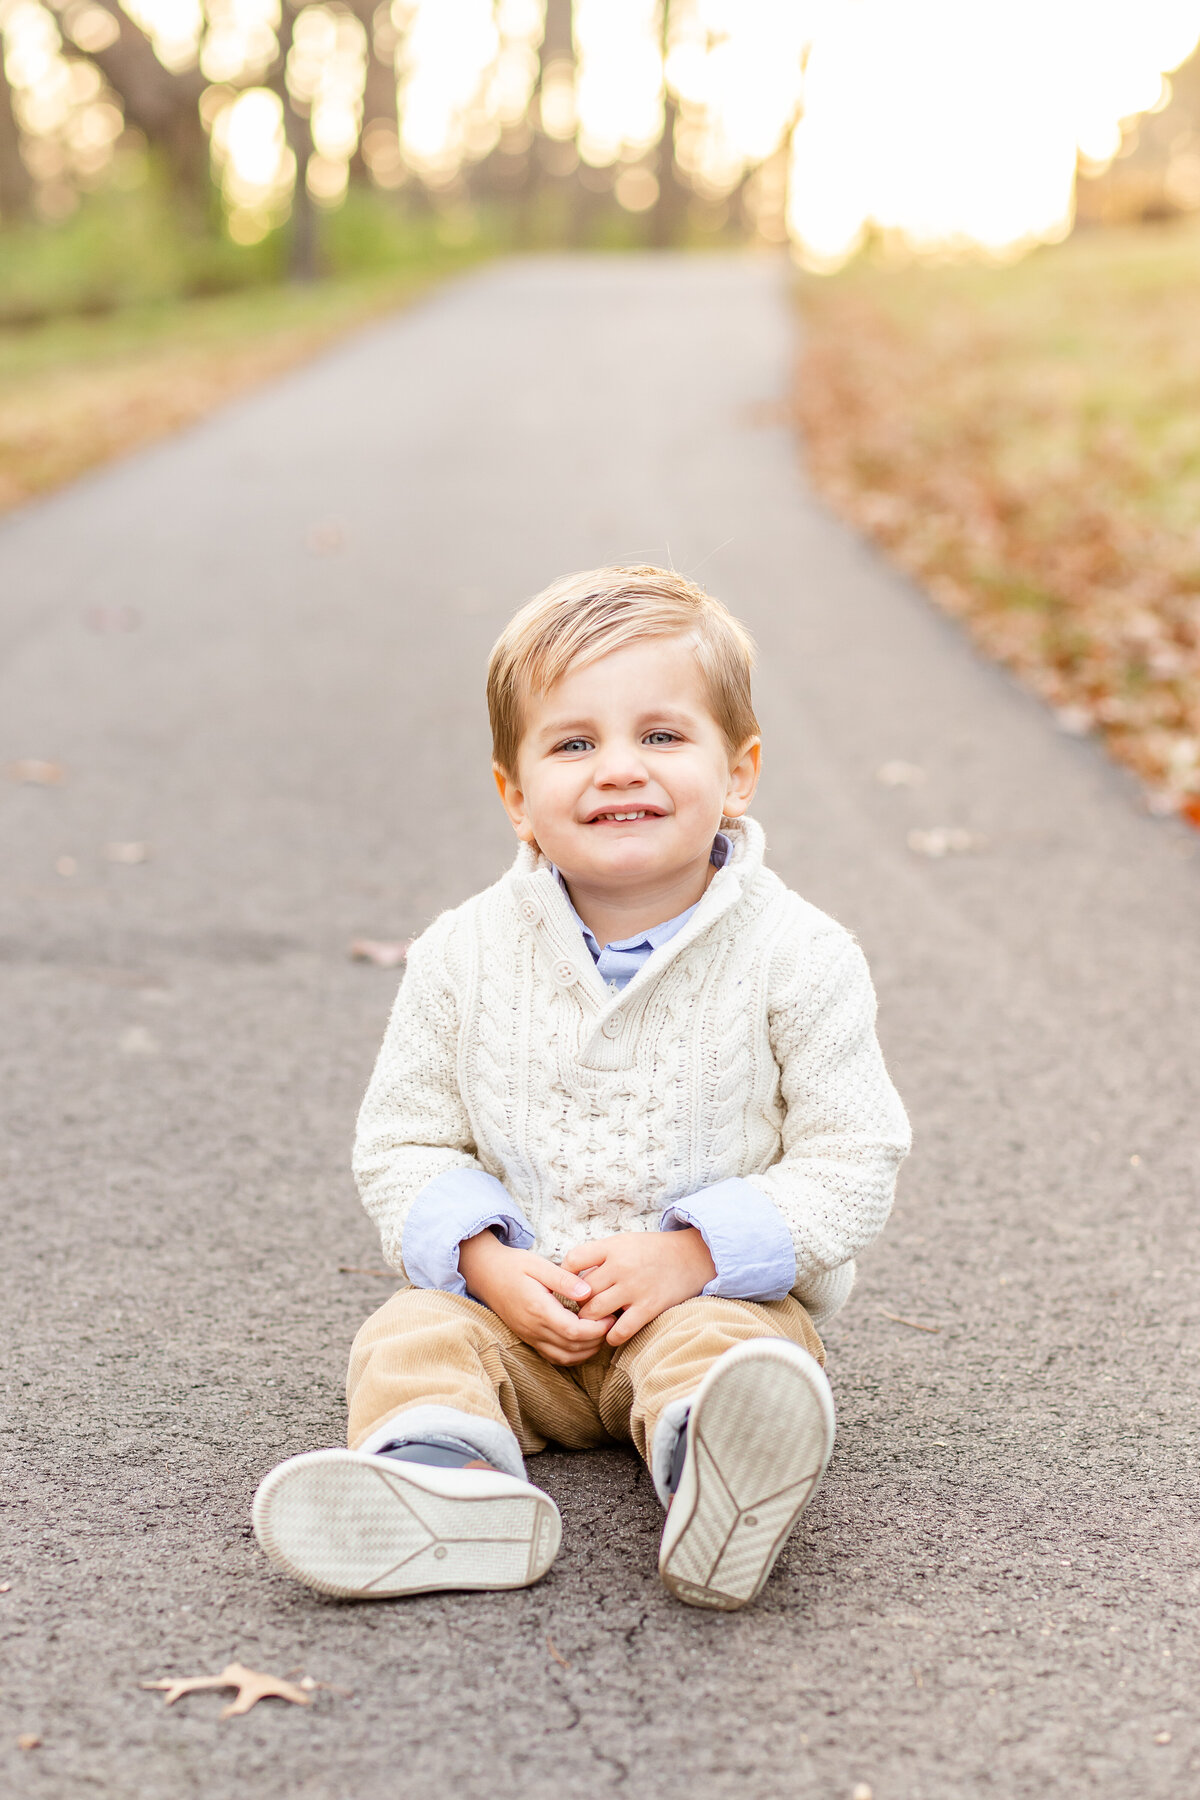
[(513, 802), (743, 778)]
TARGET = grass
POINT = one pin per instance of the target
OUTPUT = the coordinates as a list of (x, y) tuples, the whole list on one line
[(1025, 440), (115, 335)]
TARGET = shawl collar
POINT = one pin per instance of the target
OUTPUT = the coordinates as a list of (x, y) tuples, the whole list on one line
[(544, 911)]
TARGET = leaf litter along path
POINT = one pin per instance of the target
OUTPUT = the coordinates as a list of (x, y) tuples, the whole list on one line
[(1026, 442)]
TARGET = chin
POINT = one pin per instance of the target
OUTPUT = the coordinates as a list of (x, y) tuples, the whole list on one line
[(630, 858)]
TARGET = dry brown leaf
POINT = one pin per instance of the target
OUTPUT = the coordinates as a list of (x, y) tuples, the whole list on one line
[(945, 840), (900, 774), (1022, 441), (29, 1740), (326, 539), (112, 618), (35, 773), (383, 952), (251, 1684), (560, 1660)]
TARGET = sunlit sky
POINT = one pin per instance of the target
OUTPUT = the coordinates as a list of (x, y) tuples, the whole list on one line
[(948, 123)]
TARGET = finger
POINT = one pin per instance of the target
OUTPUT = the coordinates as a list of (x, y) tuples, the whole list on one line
[(630, 1323), (606, 1302), (574, 1344), (558, 1281), (584, 1256), (562, 1327)]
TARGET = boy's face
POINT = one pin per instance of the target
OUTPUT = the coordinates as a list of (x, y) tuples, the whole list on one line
[(623, 774)]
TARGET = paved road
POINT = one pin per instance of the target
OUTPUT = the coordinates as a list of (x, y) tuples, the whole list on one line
[(996, 1592)]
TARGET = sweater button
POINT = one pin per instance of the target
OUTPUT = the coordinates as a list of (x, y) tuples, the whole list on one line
[(564, 972), (612, 1027), (529, 911)]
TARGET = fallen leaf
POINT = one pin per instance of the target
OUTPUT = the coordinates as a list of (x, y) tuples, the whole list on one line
[(127, 853), (112, 618), (899, 774), (29, 1741), (34, 773), (944, 840), (252, 1686), (1042, 501), (560, 1660), (325, 539), (384, 953), (897, 1319)]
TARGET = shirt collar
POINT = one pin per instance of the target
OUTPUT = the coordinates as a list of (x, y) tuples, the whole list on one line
[(654, 935)]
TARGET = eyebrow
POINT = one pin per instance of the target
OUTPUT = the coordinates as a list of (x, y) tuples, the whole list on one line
[(665, 715)]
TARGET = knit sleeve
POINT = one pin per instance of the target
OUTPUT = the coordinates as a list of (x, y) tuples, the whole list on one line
[(413, 1124), (845, 1132)]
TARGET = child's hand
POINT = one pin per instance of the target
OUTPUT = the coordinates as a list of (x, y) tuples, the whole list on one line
[(520, 1288), (640, 1274)]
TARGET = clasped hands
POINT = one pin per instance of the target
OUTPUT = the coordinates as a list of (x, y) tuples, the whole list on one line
[(620, 1283)]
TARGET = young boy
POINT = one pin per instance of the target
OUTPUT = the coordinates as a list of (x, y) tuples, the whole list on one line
[(629, 1127)]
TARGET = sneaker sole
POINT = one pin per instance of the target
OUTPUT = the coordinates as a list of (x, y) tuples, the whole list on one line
[(759, 1437), (360, 1527)]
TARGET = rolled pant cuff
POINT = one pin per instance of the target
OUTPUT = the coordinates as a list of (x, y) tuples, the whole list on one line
[(671, 1422), (494, 1442)]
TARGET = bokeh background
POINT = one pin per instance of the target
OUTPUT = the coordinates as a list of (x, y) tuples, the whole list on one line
[(993, 212)]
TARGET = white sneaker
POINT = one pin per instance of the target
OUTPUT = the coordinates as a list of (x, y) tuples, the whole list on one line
[(760, 1433), (364, 1527)]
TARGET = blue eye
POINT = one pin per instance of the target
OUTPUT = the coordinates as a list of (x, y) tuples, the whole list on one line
[(574, 744), (662, 737)]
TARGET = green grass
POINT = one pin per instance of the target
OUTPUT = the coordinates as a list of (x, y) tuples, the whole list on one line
[(125, 324)]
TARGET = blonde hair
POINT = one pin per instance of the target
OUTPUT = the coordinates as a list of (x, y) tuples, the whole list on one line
[(580, 618)]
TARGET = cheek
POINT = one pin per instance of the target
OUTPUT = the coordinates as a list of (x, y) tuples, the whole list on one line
[(700, 784), (551, 793)]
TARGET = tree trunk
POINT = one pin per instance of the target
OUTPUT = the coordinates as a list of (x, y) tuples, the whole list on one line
[(558, 46), (162, 105), (16, 185), (670, 209), (303, 250), (379, 89)]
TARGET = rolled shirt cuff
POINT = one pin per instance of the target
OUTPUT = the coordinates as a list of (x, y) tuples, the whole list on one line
[(457, 1205), (747, 1239)]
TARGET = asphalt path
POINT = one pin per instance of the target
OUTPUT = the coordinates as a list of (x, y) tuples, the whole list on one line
[(257, 650)]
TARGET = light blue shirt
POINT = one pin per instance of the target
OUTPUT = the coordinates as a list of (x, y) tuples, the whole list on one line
[(747, 1239)]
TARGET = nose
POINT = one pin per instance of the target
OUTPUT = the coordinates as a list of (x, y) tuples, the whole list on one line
[(619, 765)]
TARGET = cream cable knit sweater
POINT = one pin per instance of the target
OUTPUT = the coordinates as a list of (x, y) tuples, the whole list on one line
[(746, 1046)]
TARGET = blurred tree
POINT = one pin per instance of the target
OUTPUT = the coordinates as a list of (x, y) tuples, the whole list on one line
[(669, 214), (551, 166), (379, 88), (1156, 172), (303, 249), (163, 105), (16, 185)]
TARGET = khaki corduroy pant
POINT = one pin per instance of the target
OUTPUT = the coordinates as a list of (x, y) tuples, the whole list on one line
[(424, 1347)]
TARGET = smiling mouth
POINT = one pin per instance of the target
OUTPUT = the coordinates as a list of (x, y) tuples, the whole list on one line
[(622, 818)]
